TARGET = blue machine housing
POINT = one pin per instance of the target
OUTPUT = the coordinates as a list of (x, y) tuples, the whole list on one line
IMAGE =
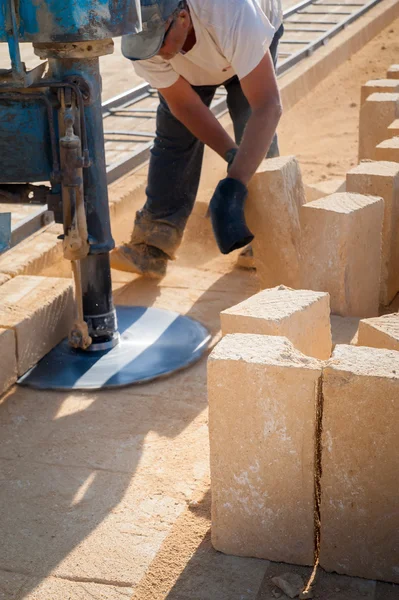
[(48, 21), (25, 145)]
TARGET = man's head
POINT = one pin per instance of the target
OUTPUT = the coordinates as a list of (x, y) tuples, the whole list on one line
[(166, 24)]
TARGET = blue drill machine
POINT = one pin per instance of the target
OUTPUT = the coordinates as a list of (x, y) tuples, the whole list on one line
[(51, 131)]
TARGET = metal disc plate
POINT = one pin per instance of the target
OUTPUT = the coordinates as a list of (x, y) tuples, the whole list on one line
[(153, 343)]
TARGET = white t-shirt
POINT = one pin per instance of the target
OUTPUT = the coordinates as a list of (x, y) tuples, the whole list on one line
[(232, 37)]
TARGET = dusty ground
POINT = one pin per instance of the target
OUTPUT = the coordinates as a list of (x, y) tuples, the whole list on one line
[(106, 495), (322, 129)]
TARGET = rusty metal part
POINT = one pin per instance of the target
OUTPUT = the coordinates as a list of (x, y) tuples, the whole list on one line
[(75, 245), (89, 49), (79, 335), (64, 85)]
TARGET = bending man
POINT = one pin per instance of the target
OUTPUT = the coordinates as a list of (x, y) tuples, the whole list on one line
[(186, 50)]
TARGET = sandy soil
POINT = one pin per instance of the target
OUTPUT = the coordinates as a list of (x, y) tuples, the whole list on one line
[(322, 129)]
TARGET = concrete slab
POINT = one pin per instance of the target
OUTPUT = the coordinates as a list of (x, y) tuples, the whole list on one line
[(11, 585), (54, 587), (328, 586), (187, 567)]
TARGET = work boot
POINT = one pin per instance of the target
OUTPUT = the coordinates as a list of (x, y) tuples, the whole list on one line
[(245, 259), (141, 259)]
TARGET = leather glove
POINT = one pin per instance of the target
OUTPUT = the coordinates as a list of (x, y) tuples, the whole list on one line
[(227, 215)]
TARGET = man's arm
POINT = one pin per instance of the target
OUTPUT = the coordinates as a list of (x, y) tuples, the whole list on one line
[(188, 108), (261, 90)]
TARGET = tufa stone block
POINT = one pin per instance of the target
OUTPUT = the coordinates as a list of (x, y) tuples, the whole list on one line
[(376, 114), (342, 251), (8, 359), (380, 332), (388, 150), (359, 482), (314, 191), (376, 86), (40, 311), (393, 129), (275, 196), (262, 398), (393, 72), (302, 316), (34, 254), (382, 179)]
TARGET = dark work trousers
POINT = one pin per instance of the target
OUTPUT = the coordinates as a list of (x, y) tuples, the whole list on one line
[(175, 166)]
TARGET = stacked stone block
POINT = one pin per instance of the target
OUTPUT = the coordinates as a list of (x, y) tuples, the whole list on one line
[(377, 86), (382, 179), (393, 129), (39, 312), (388, 150), (276, 195), (376, 114), (341, 248), (380, 332), (393, 72), (302, 316), (360, 464), (262, 406)]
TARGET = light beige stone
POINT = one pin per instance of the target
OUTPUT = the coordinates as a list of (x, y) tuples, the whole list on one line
[(302, 316), (393, 72), (40, 311), (380, 332), (393, 129), (378, 111), (8, 359), (388, 150), (342, 251), (34, 254), (4, 278), (262, 395), (375, 86), (360, 463), (272, 211), (314, 191), (382, 179)]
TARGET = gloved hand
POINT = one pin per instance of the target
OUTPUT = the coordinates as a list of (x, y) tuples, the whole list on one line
[(227, 215)]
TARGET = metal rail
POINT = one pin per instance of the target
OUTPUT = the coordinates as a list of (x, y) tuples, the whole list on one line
[(305, 18)]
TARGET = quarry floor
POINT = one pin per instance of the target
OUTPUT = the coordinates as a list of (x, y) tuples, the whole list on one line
[(106, 495)]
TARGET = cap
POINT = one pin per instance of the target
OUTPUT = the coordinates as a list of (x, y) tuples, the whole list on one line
[(147, 43)]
